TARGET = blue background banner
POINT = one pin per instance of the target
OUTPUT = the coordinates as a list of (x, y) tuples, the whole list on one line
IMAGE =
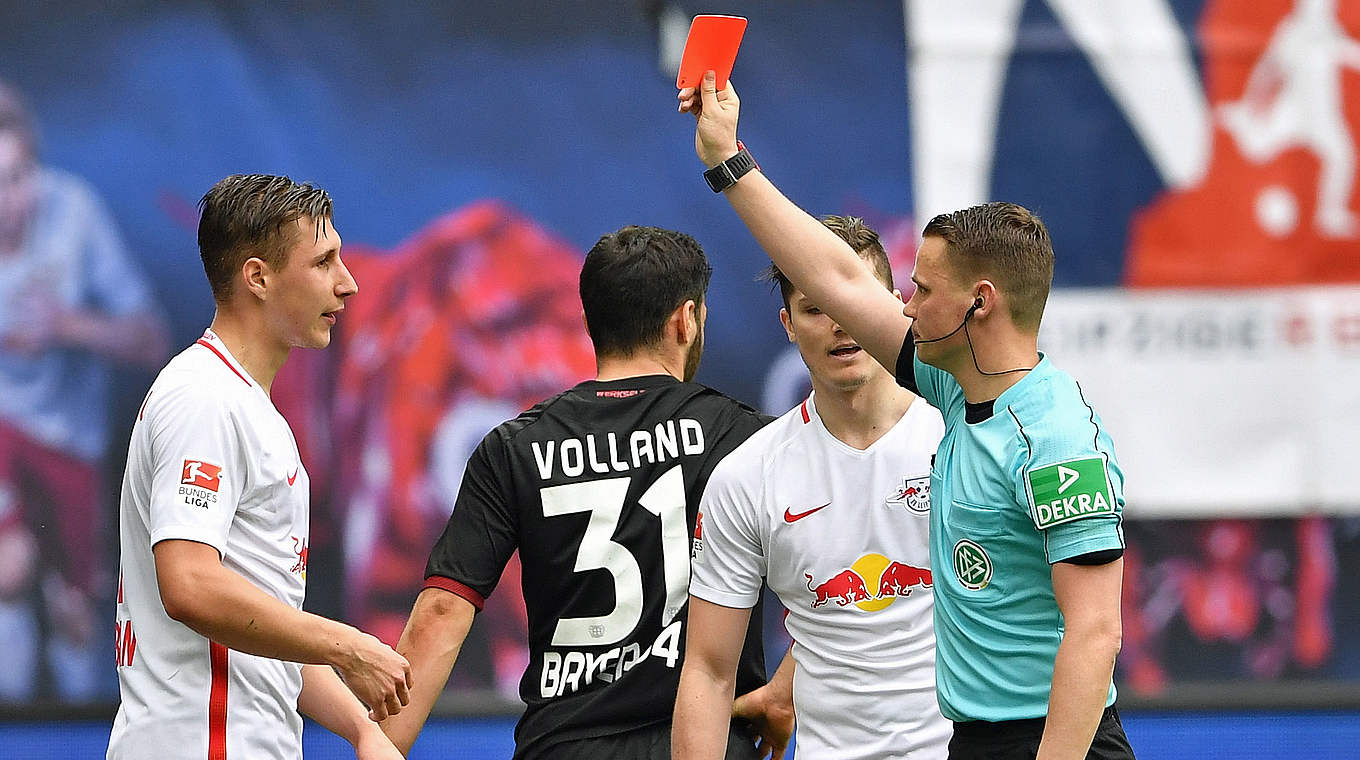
[(476, 150)]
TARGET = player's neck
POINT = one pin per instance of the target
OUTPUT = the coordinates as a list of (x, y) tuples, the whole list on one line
[(861, 416), (638, 365), (995, 356), (248, 340)]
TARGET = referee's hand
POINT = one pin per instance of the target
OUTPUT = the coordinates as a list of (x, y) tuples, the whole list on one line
[(377, 675), (715, 112)]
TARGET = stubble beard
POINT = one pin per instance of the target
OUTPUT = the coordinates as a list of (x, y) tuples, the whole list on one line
[(696, 351)]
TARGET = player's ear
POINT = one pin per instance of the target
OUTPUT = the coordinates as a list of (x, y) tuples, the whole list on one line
[(256, 274), (686, 318), (787, 322), (985, 296)]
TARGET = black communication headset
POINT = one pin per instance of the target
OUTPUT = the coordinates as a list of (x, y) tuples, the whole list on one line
[(977, 304)]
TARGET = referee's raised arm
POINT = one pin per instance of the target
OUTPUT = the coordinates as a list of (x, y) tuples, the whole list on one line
[(814, 259)]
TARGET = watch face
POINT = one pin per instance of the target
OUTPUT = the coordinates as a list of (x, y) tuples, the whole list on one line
[(719, 178)]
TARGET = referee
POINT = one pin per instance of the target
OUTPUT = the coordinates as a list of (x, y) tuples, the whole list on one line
[(1026, 494)]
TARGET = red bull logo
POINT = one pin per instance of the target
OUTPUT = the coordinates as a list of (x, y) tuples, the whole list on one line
[(898, 579), (300, 550), (888, 578), (845, 587)]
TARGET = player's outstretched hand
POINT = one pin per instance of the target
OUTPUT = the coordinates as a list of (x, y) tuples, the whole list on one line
[(715, 137), (377, 675), (771, 716)]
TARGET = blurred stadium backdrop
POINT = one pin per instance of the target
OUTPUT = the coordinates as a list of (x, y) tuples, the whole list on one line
[(1195, 160)]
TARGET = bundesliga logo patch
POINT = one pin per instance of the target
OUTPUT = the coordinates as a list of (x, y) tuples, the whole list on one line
[(698, 545), (1071, 490), (201, 475), (198, 483)]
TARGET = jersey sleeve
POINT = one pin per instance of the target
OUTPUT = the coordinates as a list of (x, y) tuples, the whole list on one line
[(936, 386), (198, 466), (1072, 484), (728, 559), (482, 532), (905, 371)]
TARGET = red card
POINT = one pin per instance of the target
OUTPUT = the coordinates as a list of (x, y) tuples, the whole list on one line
[(712, 44)]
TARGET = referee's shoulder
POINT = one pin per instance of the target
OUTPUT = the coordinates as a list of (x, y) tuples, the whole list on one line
[(1053, 405)]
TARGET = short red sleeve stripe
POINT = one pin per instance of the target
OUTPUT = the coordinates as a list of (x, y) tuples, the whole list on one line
[(457, 589)]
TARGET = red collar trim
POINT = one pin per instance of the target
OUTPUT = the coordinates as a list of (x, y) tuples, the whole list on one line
[(213, 349)]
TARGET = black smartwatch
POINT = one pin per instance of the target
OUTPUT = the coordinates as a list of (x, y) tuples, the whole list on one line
[(727, 173)]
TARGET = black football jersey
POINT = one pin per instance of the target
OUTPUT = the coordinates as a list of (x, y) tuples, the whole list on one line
[(598, 488)]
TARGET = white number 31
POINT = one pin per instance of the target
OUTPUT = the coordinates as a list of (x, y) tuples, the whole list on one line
[(604, 500)]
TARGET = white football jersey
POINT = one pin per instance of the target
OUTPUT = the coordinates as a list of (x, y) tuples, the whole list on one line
[(211, 460), (841, 536)]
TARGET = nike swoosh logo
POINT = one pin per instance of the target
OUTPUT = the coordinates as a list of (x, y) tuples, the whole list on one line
[(292, 477), (790, 517)]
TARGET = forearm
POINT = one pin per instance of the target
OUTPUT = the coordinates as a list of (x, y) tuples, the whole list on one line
[(1081, 684), (806, 251), (770, 710), (223, 606), (326, 700), (703, 704), (431, 642), (813, 257), (781, 685), (823, 266), (703, 714)]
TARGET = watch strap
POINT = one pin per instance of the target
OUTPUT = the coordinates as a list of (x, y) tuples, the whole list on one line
[(726, 174)]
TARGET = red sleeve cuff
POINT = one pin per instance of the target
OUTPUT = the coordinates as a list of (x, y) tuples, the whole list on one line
[(456, 588)]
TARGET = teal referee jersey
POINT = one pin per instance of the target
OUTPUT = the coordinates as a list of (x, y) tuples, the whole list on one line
[(1017, 484)]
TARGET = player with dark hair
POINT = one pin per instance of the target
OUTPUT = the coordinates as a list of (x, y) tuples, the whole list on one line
[(215, 655), (598, 489), (1026, 494)]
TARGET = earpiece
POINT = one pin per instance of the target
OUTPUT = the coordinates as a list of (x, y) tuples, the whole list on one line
[(977, 304)]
